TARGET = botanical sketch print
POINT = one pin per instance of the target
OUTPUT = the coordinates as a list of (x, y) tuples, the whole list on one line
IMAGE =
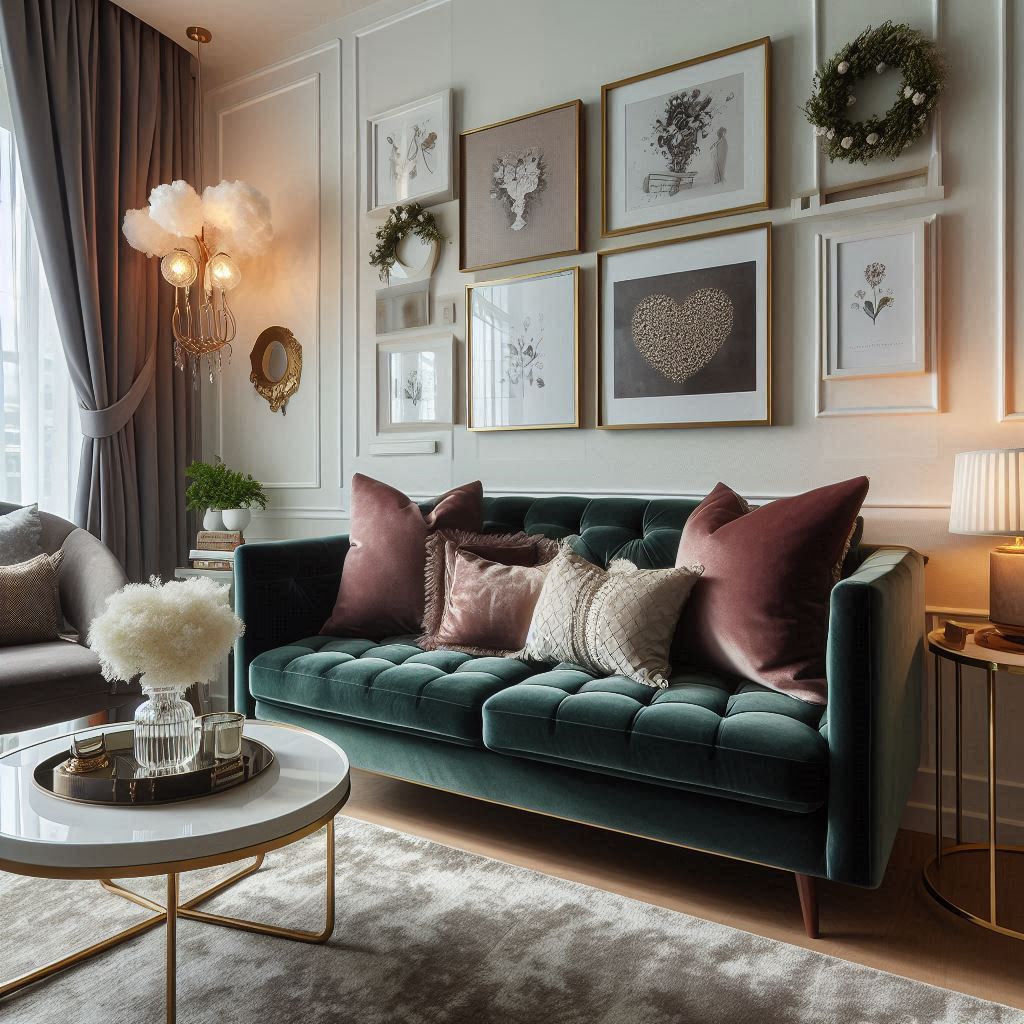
[(523, 360), (410, 150), (519, 178), (413, 386), (874, 274), (685, 143), (688, 333)]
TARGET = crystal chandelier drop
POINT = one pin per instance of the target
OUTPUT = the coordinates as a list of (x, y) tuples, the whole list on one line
[(192, 235)]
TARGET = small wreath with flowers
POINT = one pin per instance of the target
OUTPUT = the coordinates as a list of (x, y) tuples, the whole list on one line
[(876, 50), (402, 220)]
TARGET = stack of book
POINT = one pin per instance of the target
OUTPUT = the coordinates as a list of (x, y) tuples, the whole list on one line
[(215, 549)]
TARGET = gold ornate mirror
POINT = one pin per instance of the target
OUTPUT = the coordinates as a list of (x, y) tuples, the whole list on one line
[(276, 366)]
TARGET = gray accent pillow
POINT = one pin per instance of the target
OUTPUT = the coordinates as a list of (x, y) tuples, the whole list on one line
[(30, 601), (20, 531), (618, 621)]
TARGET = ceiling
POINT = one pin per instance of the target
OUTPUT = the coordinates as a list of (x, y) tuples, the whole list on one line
[(241, 28)]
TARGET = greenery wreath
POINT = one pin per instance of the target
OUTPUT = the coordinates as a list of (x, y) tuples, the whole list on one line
[(876, 50), (401, 221)]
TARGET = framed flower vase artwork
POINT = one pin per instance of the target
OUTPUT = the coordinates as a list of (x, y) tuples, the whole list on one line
[(520, 188), (684, 332), (687, 142), (416, 383), (523, 360), (875, 289), (409, 154)]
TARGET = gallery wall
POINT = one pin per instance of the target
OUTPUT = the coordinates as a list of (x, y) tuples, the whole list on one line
[(292, 122)]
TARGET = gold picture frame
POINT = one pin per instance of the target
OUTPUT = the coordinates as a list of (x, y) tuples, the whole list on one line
[(608, 229), (575, 377), (472, 166), (602, 260)]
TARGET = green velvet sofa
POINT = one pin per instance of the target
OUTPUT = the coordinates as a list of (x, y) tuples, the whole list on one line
[(714, 763)]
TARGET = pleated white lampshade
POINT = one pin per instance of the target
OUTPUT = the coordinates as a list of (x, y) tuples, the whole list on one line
[(988, 493)]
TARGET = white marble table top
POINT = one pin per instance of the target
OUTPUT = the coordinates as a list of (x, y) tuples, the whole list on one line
[(41, 834)]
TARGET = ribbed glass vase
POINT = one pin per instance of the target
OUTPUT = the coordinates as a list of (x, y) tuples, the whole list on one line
[(165, 734)]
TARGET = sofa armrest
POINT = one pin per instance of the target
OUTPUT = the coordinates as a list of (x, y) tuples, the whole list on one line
[(284, 590), (89, 574), (875, 672)]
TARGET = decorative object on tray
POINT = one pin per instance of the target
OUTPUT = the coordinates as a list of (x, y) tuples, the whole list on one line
[(416, 383), (113, 775), (988, 500), (521, 196), (687, 142), (522, 344), (832, 105), (276, 360), (172, 635), (761, 609), (382, 588), (410, 219), (618, 620), (875, 287), (409, 153), (228, 492), (684, 331)]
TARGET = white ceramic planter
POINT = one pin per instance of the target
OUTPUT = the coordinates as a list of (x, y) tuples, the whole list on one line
[(236, 518), (213, 519)]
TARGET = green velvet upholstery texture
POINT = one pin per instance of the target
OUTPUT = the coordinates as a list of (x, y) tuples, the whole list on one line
[(721, 765)]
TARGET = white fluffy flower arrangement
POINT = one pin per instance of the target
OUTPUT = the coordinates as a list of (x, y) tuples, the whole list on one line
[(236, 215), (172, 634)]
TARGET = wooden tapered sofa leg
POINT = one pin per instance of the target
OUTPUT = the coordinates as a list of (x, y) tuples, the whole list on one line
[(807, 887)]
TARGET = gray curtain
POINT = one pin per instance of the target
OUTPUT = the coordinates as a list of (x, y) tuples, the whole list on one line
[(103, 110)]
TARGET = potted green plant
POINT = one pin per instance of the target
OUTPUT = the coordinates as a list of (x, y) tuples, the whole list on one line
[(224, 495)]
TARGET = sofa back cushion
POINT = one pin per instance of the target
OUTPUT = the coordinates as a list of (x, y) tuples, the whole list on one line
[(761, 608), (381, 591)]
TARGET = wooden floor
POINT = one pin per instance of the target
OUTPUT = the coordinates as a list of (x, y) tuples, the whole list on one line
[(896, 928)]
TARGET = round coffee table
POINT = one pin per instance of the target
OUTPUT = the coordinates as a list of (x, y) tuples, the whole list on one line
[(49, 837)]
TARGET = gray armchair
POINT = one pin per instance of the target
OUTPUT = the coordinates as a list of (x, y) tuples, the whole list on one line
[(57, 681)]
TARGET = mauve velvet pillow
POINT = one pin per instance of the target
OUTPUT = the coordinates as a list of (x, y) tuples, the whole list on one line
[(489, 605), (381, 592), (760, 610), (442, 548)]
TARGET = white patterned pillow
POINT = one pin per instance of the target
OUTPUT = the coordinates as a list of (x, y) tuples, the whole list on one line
[(30, 601), (20, 531), (618, 621)]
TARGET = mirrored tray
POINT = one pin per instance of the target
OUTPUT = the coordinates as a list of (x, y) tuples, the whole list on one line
[(123, 782)]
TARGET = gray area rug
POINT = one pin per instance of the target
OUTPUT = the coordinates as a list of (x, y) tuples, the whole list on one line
[(430, 934)]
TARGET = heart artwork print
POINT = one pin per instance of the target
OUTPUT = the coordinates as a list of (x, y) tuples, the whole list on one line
[(680, 340), (689, 333)]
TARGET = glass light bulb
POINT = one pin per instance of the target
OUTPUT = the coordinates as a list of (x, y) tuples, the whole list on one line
[(224, 272), (179, 268)]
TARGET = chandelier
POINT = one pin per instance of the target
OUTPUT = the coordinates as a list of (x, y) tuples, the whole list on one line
[(194, 235)]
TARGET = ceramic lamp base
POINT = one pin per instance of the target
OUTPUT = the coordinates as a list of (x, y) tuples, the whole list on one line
[(1006, 591)]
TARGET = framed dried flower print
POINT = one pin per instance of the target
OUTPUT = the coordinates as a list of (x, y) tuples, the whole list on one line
[(687, 142), (522, 343), (409, 154), (684, 331), (520, 188), (416, 383), (875, 287)]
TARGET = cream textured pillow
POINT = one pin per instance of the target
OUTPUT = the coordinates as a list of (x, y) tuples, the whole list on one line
[(620, 621)]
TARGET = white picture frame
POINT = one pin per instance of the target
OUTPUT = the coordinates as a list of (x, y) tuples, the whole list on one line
[(874, 310), (409, 154), (416, 383), (522, 352)]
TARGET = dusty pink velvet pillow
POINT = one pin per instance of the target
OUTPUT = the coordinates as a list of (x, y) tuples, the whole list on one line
[(442, 547), (381, 590), (760, 610), (489, 605)]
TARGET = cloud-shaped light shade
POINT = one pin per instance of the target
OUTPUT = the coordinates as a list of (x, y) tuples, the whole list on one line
[(177, 208), (143, 233), (239, 216)]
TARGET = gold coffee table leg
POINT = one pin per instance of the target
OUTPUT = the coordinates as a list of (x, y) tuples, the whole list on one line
[(172, 947)]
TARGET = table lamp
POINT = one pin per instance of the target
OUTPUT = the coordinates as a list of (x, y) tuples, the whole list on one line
[(988, 500)]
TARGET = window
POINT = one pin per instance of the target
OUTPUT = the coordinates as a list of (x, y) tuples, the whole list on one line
[(40, 437)]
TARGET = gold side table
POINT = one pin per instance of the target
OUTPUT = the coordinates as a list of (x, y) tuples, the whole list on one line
[(972, 655)]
